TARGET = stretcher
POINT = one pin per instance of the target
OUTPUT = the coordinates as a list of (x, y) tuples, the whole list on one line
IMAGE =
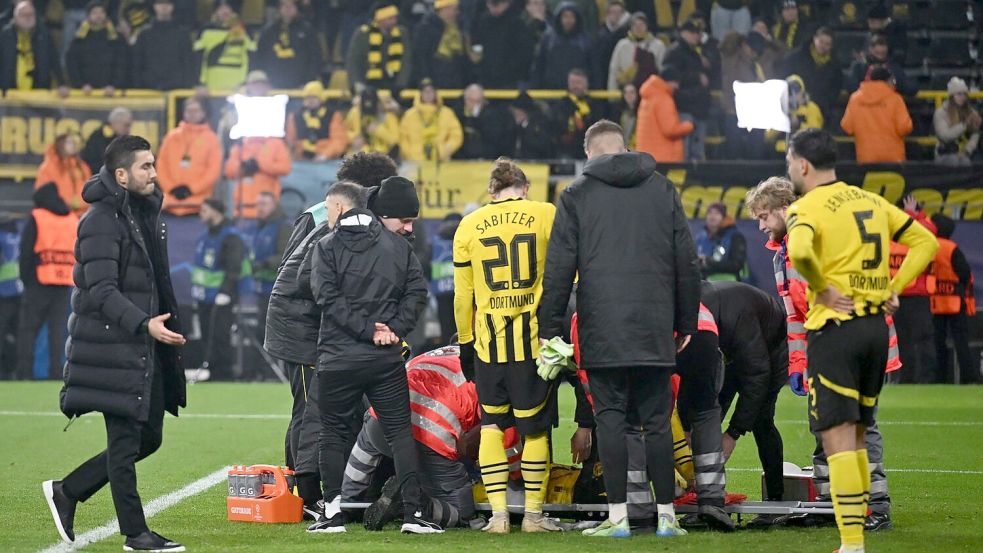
[(597, 510)]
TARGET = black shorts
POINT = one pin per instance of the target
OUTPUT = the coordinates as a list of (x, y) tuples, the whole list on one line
[(513, 394), (846, 371)]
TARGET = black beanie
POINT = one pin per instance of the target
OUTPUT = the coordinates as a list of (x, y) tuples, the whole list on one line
[(396, 199)]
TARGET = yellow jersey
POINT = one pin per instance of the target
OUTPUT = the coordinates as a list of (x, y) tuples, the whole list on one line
[(499, 261), (840, 235)]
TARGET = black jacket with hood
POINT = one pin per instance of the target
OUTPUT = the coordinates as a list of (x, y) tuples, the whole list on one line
[(122, 278), (45, 197), (359, 275), (751, 326), (621, 226), (559, 52)]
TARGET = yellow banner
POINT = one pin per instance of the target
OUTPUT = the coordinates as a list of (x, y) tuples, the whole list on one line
[(451, 186)]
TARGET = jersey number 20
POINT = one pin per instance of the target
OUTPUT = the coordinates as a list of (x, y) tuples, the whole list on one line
[(510, 257)]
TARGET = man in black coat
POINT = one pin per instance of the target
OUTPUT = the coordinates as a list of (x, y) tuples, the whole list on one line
[(502, 47), (117, 124), (486, 126), (97, 56), (439, 48), (530, 132), (289, 50), (370, 288), (124, 347), (692, 63), (629, 305), (162, 58), (752, 331), (571, 116), (31, 65), (815, 63)]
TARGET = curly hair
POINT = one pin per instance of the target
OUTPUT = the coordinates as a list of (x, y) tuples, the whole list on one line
[(367, 168), (506, 174)]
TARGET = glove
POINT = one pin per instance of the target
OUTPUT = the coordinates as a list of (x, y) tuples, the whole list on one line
[(555, 356), (467, 360), (249, 167), (222, 299), (181, 192), (797, 384), (405, 350)]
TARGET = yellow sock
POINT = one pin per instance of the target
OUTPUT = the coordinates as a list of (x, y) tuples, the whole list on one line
[(494, 467), (863, 463), (536, 470), (849, 498), (682, 455)]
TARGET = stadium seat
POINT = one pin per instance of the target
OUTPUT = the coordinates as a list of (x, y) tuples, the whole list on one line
[(950, 49), (951, 14), (918, 48)]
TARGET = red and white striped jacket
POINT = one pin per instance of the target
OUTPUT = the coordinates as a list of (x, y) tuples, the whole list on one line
[(792, 289)]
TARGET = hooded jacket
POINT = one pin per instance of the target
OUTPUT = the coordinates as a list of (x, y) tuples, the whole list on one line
[(622, 228), (659, 130), (429, 132), (560, 51), (46, 197), (190, 156), (97, 57), (359, 275), (692, 97), (751, 327), (68, 175), (876, 116), (122, 278)]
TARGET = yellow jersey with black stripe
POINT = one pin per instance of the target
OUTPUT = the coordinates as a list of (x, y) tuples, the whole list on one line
[(839, 235), (499, 261)]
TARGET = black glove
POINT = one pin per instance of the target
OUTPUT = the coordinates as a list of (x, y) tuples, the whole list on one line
[(467, 360), (181, 192), (250, 167)]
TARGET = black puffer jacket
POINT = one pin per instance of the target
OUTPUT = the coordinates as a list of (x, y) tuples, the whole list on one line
[(753, 340), (622, 227), (359, 275), (111, 360), (293, 319)]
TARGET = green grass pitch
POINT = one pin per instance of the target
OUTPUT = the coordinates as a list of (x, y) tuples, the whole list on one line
[(933, 435)]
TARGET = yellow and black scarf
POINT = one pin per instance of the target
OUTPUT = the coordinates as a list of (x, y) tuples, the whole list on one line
[(282, 48), (25, 61), (312, 126), (85, 28), (581, 113), (820, 59), (383, 65), (791, 30), (451, 44)]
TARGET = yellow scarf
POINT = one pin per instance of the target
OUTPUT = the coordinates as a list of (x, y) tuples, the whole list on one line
[(451, 45), (582, 112), (85, 28), (793, 29), (25, 61), (314, 128), (429, 115), (820, 59), (759, 72), (394, 54), (282, 47)]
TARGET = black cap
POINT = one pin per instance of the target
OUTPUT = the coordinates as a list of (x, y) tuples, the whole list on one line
[(216, 204), (396, 199), (690, 25)]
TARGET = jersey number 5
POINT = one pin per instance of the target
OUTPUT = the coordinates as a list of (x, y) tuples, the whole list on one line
[(869, 238), (510, 257)]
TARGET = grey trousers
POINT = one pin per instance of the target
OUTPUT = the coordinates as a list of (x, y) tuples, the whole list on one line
[(880, 501)]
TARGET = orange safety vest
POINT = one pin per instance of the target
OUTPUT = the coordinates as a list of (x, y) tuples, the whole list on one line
[(946, 300), (924, 285), (55, 247)]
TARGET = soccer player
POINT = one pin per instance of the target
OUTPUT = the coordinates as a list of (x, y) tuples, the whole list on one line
[(499, 261), (768, 203), (838, 238)]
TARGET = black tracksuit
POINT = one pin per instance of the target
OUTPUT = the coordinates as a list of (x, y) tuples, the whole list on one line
[(753, 340), (619, 207), (359, 275), (114, 366)]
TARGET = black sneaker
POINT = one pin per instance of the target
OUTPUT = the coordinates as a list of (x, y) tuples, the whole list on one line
[(314, 512), (766, 521), (386, 508), (417, 524), (324, 525), (716, 518), (62, 509), (811, 521), (876, 522), (151, 541)]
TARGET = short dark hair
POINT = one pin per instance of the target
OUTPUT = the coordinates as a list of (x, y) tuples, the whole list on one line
[(121, 151), (367, 168), (353, 193), (578, 72), (880, 73), (823, 31), (815, 146), (603, 126)]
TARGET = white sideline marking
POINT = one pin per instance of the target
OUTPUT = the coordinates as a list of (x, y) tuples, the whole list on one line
[(277, 416), (916, 471), (153, 508)]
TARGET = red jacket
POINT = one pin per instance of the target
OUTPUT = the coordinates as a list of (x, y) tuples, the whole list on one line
[(792, 289)]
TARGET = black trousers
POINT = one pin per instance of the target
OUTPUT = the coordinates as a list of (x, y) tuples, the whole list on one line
[(766, 435), (42, 305), (339, 396), (9, 313), (216, 339), (639, 394), (956, 326), (445, 314), (916, 340), (300, 383), (128, 441)]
